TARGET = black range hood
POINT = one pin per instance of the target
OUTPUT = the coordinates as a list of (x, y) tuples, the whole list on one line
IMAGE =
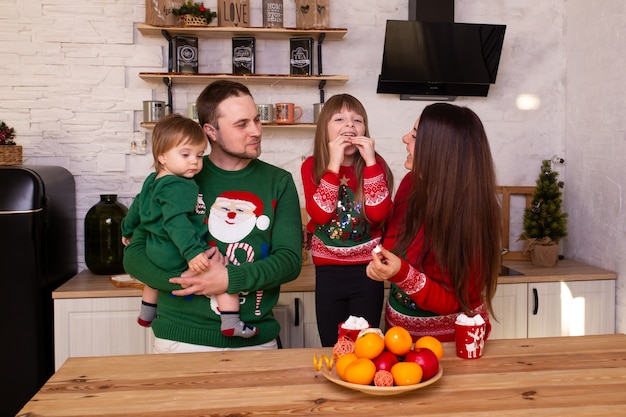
[(439, 60)]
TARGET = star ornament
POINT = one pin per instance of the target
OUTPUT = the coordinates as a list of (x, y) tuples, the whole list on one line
[(344, 180)]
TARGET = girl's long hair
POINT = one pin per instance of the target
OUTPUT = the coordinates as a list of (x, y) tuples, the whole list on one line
[(454, 199), (320, 146)]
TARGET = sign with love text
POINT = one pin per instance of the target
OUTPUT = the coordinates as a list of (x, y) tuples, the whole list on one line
[(233, 13)]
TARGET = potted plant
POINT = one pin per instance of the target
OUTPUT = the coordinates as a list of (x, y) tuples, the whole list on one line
[(544, 222), (10, 152), (194, 14)]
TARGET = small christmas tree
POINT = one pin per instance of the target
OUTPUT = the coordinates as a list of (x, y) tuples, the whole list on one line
[(544, 218)]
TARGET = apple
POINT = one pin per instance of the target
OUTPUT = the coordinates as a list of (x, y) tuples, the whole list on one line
[(385, 361), (426, 359)]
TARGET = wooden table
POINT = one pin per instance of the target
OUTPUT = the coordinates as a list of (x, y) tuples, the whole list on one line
[(565, 376)]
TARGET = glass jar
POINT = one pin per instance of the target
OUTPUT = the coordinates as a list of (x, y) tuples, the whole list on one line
[(104, 251)]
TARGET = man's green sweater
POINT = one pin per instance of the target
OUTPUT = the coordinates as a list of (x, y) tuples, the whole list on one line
[(260, 260)]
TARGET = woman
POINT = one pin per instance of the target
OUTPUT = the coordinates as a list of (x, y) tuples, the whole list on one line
[(347, 189), (444, 231)]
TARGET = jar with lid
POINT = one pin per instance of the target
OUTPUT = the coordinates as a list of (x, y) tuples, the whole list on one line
[(273, 13), (104, 251)]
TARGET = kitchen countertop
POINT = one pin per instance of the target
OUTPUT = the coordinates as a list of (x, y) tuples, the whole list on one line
[(560, 376), (87, 285)]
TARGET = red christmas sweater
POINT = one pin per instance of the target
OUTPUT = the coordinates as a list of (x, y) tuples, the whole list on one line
[(426, 304), (340, 233)]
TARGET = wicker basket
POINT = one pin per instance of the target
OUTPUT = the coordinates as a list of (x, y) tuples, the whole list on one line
[(10, 155), (191, 20)]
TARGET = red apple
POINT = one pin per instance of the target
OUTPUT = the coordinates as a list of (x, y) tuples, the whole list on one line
[(385, 361), (426, 359)]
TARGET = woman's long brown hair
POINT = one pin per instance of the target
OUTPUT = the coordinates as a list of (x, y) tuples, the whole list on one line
[(454, 199), (320, 146)]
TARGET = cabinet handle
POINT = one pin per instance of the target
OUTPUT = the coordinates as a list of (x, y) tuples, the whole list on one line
[(536, 297), (296, 304)]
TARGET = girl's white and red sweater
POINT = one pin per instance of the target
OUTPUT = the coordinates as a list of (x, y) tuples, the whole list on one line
[(341, 235)]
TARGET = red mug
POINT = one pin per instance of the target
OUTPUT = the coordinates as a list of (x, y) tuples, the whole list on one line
[(470, 340)]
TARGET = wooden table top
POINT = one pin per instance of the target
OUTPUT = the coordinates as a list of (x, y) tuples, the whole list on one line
[(563, 376)]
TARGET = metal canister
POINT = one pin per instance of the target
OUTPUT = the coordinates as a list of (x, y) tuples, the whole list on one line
[(153, 110)]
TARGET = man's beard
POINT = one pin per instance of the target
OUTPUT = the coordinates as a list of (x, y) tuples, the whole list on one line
[(250, 155)]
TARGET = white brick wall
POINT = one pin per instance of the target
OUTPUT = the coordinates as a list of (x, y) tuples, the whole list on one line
[(69, 86)]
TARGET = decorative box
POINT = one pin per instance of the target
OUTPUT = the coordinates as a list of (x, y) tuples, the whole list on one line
[(159, 12), (185, 54), (312, 14), (243, 55), (301, 56)]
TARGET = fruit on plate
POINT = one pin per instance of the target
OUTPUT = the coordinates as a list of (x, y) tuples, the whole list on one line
[(426, 359), (385, 361), (398, 340), (432, 343), (342, 362), (360, 371), (406, 373), (369, 346)]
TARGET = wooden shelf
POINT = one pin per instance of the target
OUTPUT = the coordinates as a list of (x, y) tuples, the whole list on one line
[(272, 80), (228, 32), (150, 126)]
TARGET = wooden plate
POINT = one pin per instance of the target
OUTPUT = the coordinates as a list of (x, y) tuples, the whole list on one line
[(332, 376)]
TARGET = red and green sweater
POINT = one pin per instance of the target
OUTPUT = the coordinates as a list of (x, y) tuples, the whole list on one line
[(341, 235)]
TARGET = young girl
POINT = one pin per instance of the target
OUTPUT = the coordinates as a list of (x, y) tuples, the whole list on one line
[(347, 188), (171, 211)]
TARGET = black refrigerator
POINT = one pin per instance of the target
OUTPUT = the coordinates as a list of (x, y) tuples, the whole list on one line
[(37, 254)]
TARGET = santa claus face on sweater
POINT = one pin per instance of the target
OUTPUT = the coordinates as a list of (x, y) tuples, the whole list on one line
[(231, 220)]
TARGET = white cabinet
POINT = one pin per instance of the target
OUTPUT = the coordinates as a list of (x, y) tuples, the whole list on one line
[(510, 307), (572, 308), (295, 311), (98, 327), (564, 308)]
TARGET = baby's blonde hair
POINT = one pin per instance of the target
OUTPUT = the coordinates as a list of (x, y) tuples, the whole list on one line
[(173, 130)]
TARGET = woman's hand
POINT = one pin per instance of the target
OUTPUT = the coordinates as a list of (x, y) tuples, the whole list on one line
[(383, 265), (365, 146)]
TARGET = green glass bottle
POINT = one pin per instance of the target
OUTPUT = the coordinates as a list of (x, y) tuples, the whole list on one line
[(104, 251)]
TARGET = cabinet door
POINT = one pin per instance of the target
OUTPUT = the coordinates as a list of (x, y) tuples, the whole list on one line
[(98, 327), (289, 311), (572, 308), (509, 305)]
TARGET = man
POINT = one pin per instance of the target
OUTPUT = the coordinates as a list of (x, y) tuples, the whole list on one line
[(253, 217)]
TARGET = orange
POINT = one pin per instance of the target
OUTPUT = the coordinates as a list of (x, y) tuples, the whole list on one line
[(343, 361), (360, 371), (406, 373), (430, 342), (369, 346), (398, 340)]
